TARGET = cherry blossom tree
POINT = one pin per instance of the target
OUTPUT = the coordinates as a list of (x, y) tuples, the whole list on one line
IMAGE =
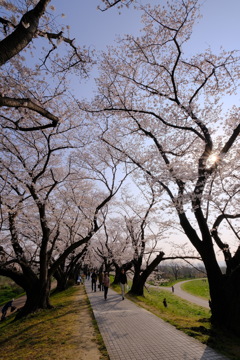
[(38, 239), (131, 237), (146, 233), (166, 112), (69, 269), (112, 244), (36, 58), (53, 193), (119, 3), (34, 47)]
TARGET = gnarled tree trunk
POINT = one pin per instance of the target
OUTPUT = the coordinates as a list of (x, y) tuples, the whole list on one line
[(37, 298)]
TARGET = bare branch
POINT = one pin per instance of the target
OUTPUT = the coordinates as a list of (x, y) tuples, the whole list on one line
[(29, 104)]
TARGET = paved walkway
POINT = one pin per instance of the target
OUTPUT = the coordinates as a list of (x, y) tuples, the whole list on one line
[(133, 333)]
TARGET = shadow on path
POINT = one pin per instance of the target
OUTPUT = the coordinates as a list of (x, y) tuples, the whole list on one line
[(131, 332)]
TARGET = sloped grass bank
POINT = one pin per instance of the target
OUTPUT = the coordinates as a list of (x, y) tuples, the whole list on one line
[(197, 287), (65, 332), (8, 290)]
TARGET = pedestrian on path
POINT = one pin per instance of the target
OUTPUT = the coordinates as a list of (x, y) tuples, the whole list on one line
[(106, 284), (5, 308), (123, 282), (100, 279), (165, 302), (94, 280), (79, 280)]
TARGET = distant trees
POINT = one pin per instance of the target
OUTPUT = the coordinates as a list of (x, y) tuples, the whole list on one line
[(178, 269), (163, 112), (175, 269), (132, 236), (111, 247), (145, 233), (67, 272)]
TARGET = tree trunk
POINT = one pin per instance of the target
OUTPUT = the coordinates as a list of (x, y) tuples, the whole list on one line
[(62, 280), (224, 291), (117, 274), (138, 285), (23, 34), (225, 301), (224, 288), (127, 266), (37, 298), (140, 277)]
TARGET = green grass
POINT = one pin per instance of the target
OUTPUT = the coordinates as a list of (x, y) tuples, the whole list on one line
[(8, 290), (54, 334), (197, 287), (59, 333), (173, 282)]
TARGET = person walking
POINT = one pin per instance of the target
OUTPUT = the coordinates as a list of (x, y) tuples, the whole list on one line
[(100, 279), (94, 280), (5, 308), (79, 280), (123, 282), (88, 275), (106, 284)]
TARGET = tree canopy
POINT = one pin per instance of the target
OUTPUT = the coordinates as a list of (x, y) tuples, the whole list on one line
[(163, 112), (56, 179), (160, 115)]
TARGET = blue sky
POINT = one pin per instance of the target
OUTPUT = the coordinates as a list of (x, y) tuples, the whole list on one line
[(219, 26)]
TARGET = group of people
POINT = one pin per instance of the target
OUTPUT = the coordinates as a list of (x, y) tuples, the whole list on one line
[(104, 282)]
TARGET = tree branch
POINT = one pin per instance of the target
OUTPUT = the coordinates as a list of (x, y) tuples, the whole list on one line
[(23, 34), (29, 104)]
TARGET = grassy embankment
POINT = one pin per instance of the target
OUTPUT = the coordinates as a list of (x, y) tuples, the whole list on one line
[(56, 334), (68, 331), (198, 288), (189, 318)]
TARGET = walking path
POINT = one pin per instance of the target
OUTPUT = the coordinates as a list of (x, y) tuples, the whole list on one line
[(133, 333), (183, 294)]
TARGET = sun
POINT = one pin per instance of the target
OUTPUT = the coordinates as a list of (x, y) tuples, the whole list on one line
[(212, 159)]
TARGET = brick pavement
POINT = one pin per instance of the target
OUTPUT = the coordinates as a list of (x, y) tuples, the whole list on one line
[(133, 333)]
